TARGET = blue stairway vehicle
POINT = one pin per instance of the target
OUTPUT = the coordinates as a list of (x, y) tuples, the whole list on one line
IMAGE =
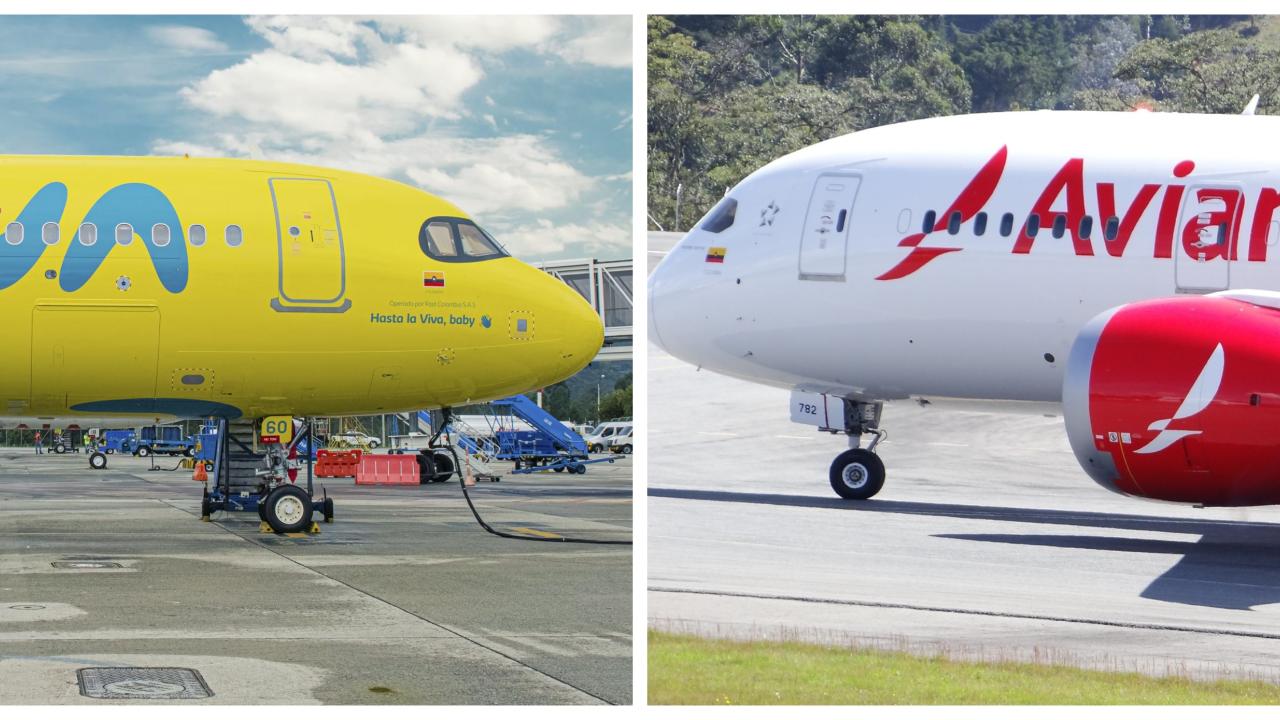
[(532, 438)]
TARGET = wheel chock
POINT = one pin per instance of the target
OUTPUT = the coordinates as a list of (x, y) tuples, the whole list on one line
[(265, 527), (315, 528)]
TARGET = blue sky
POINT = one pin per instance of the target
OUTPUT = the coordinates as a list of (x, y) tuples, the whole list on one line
[(524, 122)]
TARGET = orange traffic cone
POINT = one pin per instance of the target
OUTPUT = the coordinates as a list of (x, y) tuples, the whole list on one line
[(200, 474)]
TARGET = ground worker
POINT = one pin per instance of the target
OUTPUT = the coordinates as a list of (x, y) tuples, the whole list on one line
[(39, 446)]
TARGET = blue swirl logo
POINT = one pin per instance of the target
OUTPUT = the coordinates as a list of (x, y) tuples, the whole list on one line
[(140, 205)]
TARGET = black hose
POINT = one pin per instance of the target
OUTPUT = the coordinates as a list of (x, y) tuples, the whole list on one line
[(462, 481)]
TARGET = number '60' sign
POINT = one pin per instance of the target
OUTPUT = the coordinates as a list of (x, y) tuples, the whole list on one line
[(277, 429)]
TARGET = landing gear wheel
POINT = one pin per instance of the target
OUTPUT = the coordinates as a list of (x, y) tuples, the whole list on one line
[(98, 461), (426, 467), (857, 474), (143, 451), (444, 466), (326, 509), (288, 509)]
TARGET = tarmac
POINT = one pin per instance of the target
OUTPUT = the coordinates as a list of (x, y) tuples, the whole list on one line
[(987, 542), (402, 599)]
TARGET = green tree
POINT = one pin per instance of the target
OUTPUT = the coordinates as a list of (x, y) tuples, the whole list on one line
[(1213, 71), (616, 404)]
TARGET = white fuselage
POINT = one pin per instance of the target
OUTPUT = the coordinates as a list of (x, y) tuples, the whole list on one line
[(856, 306)]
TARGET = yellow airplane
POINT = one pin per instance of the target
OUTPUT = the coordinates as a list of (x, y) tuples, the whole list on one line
[(181, 287)]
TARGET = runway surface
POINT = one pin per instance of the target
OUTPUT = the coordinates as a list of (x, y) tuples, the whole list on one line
[(988, 541), (403, 599)]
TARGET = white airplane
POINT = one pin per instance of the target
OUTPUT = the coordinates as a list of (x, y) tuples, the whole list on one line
[(1119, 267)]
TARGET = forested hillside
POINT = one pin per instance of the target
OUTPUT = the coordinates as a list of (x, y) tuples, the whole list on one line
[(728, 94)]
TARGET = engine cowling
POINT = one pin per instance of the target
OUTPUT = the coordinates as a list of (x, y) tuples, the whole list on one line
[(1179, 399)]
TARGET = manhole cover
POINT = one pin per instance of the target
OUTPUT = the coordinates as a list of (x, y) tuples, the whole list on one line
[(86, 564), (140, 683)]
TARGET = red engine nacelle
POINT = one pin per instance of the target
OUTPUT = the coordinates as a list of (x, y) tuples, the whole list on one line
[(1179, 399)]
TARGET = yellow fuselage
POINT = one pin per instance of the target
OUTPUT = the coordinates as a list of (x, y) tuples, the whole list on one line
[(330, 303)]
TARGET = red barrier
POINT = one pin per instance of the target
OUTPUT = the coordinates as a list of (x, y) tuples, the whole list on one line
[(337, 463), (388, 470)]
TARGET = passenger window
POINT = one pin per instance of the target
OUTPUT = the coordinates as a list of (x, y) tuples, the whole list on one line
[(13, 233), (1059, 226), (1006, 224), (953, 223), (124, 234), (88, 234), (721, 216), (979, 223), (1086, 226), (927, 225), (160, 234), (438, 238), (1033, 225), (49, 233), (234, 236), (475, 243), (1112, 230), (196, 234)]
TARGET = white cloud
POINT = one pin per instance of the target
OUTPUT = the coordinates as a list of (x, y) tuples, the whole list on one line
[(493, 33), (311, 37), (186, 38), (544, 237), (341, 100), (600, 41)]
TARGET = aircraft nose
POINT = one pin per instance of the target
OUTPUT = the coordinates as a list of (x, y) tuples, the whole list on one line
[(673, 308), (577, 328)]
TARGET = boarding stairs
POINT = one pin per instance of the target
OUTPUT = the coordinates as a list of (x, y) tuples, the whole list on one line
[(237, 461)]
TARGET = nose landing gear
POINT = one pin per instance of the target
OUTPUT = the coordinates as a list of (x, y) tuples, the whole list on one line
[(858, 473)]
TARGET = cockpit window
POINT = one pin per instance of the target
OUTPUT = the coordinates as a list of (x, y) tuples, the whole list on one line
[(457, 240), (721, 216), (439, 239), (475, 243)]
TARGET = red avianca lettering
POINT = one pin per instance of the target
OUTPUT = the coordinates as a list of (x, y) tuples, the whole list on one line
[(1069, 186)]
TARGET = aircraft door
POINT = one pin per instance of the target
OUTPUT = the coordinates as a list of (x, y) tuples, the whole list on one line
[(309, 241), (826, 227), (1208, 230), (67, 371)]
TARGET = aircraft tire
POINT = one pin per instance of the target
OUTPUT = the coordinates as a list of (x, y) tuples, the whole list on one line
[(426, 468), (857, 474), (327, 510), (98, 461), (443, 462), (288, 509)]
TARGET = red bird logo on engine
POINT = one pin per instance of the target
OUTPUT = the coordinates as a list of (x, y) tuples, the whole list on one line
[(1201, 394)]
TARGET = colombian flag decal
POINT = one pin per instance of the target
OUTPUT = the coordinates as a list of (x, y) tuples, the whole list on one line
[(432, 278), (715, 255)]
